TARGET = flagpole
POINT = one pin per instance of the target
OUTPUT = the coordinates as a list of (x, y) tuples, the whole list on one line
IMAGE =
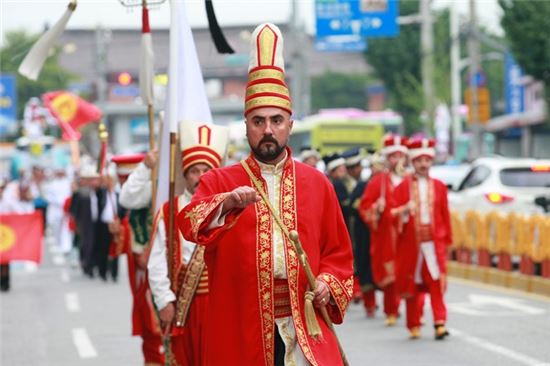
[(154, 173), (147, 92), (172, 120)]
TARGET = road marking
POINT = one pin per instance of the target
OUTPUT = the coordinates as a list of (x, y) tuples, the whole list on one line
[(505, 290), (83, 343), (484, 305), (71, 302), (501, 350), (65, 277), (506, 302)]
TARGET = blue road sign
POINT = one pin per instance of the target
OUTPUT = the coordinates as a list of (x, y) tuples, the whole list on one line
[(8, 104), (369, 18), (352, 43), (514, 90)]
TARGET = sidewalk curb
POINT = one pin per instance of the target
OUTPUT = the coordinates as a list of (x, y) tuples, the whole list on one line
[(511, 280)]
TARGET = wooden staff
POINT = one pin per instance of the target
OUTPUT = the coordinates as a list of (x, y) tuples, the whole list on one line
[(172, 272), (295, 240)]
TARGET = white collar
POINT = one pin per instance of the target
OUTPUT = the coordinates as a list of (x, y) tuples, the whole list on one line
[(270, 168)]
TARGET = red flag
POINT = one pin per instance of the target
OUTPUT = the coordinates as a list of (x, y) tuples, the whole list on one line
[(71, 112), (21, 237)]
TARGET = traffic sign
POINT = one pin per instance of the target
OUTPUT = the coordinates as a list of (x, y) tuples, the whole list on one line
[(8, 105), (514, 90), (369, 18), (483, 104), (352, 43)]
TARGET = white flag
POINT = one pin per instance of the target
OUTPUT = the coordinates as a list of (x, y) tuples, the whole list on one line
[(146, 69), (186, 100), (33, 62)]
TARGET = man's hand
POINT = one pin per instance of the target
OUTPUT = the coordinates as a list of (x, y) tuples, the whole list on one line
[(114, 227), (381, 204), (151, 158), (240, 197), (166, 315), (141, 260), (322, 294), (443, 281)]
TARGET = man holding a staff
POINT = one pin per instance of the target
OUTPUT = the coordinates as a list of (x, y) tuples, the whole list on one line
[(276, 246)]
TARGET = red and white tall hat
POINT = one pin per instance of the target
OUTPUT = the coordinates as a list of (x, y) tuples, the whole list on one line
[(421, 147), (202, 144), (266, 85), (394, 143), (126, 163)]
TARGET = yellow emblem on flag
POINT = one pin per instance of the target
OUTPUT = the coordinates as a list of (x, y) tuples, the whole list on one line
[(7, 238), (66, 106)]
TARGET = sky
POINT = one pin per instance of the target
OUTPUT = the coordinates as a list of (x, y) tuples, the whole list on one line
[(32, 15)]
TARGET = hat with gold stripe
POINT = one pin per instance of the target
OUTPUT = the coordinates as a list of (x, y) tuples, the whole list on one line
[(125, 164), (202, 144), (266, 85)]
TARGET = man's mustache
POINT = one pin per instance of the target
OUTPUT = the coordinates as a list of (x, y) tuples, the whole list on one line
[(269, 139)]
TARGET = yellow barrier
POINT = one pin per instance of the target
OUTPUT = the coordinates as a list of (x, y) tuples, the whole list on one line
[(475, 235), (510, 234), (458, 231), (545, 239)]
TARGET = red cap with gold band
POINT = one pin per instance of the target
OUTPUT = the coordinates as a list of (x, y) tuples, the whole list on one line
[(126, 163), (394, 143), (202, 144), (421, 147), (266, 85)]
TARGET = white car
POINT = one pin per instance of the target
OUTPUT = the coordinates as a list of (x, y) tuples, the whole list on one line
[(503, 184), (450, 174)]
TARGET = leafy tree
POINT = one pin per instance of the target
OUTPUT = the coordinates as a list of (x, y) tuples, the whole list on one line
[(396, 62), (336, 90), (52, 77), (527, 28)]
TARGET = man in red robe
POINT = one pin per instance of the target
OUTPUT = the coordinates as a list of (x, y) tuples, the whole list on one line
[(424, 234), (182, 299), (131, 235), (257, 313), (375, 210)]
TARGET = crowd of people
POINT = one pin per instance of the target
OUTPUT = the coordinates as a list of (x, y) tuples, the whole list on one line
[(399, 222), (254, 262)]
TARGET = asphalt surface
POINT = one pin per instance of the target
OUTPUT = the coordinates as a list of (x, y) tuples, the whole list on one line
[(53, 315)]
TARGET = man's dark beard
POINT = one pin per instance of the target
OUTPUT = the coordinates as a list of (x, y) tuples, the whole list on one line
[(268, 154)]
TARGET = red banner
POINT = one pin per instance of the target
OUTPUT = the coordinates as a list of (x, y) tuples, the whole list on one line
[(71, 112), (21, 237)]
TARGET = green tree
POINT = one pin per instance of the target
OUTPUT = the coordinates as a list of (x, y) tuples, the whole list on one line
[(336, 90), (52, 77), (396, 62), (527, 28)]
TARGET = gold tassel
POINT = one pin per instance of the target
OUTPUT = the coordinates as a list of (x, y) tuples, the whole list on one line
[(312, 324)]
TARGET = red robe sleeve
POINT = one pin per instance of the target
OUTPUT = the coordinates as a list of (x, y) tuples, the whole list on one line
[(193, 221), (442, 228), (367, 211)]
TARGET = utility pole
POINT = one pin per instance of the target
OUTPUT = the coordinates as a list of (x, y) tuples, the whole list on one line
[(102, 39), (474, 54), (427, 57), (300, 82), (455, 75)]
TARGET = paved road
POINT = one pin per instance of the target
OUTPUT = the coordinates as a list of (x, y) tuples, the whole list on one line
[(488, 325), (55, 316)]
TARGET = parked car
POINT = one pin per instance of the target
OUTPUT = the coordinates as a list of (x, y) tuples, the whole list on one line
[(503, 184), (450, 174)]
